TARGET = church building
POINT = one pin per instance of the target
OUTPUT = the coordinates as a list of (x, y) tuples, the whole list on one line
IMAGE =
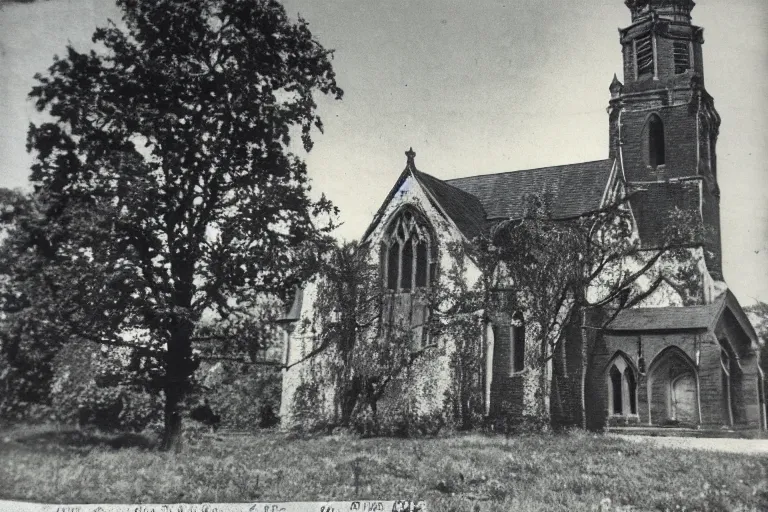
[(664, 362)]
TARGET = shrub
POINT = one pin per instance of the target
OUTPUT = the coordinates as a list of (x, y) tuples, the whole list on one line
[(308, 407), (94, 387), (244, 396)]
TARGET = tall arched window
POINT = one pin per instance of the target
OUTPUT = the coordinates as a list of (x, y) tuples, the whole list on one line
[(409, 256), (617, 391), (517, 343), (622, 387), (727, 405), (656, 147)]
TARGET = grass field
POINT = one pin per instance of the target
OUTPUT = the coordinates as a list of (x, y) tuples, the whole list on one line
[(575, 471)]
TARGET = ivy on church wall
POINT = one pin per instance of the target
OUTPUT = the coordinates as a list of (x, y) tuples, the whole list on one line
[(357, 365)]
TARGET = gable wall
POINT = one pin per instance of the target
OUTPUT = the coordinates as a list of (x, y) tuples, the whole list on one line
[(431, 377), (412, 194)]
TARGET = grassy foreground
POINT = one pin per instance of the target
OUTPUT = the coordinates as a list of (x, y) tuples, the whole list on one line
[(575, 471)]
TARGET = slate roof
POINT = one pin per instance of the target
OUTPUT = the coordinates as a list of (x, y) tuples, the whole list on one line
[(464, 209), (667, 319), (474, 202), (576, 188)]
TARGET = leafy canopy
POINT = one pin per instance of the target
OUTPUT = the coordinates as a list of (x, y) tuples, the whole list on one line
[(165, 184)]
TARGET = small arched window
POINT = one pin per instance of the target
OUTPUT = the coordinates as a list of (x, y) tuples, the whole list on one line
[(656, 146), (517, 343), (617, 393), (408, 253), (622, 388)]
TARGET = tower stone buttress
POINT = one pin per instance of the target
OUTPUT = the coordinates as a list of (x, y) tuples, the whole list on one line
[(663, 124)]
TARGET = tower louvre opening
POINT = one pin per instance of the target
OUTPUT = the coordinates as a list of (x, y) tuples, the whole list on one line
[(682, 56), (644, 56)]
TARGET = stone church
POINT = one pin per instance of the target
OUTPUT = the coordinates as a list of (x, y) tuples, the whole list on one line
[(664, 362)]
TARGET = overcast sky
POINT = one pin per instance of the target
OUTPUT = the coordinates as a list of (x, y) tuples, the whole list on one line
[(475, 87)]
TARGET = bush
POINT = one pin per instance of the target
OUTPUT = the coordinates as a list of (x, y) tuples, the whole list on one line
[(244, 396), (308, 407), (400, 422), (511, 425), (92, 387)]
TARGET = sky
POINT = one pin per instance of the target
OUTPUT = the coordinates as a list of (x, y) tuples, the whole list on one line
[(474, 87)]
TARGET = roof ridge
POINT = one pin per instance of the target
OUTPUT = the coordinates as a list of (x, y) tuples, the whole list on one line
[(526, 170), (660, 308), (445, 182)]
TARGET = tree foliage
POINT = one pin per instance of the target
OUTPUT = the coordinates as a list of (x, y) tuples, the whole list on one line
[(361, 348), (552, 269), (549, 269), (165, 182)]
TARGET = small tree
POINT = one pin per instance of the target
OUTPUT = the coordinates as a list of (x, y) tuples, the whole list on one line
[(165, 181), (364, 348), (552, 269)]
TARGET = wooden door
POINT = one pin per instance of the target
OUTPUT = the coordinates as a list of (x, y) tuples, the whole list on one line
[(684, 399)]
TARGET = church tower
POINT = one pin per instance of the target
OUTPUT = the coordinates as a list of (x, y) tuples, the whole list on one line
[(663, 123)]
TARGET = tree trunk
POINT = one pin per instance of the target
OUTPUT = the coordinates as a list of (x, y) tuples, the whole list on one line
[(349, 397), (544, 412), (172, 439), (584, 352), (179, 366)]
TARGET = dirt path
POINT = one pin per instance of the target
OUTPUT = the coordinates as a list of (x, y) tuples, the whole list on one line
[(747, 446)]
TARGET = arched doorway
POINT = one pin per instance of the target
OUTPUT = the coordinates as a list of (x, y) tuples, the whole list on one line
[(683, 403), (673, 389)]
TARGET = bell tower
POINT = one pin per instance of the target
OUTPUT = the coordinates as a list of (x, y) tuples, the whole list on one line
[(663, 123)]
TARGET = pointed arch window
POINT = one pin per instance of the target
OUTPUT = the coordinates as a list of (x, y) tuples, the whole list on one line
[(656, 144), (517, 343), (622, 388), (725, 364), (410, 251)]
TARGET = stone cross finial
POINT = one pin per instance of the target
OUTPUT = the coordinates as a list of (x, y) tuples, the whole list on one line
[(411, 155)]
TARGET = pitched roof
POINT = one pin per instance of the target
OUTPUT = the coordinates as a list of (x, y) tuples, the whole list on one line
[(685, 318), (464, 209), (665, 319), (577, 188), (473, 201)]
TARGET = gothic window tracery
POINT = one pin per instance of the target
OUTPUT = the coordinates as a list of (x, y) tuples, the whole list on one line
[(622, 388), (410, 253)]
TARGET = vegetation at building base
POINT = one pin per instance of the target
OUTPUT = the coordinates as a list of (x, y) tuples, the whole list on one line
[(566, 472), (165, 188), (550, 269)]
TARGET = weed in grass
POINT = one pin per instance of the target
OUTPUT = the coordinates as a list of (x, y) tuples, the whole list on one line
[(572, 471)]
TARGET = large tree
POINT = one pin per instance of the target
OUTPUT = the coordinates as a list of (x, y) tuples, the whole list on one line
[(166, 182)]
